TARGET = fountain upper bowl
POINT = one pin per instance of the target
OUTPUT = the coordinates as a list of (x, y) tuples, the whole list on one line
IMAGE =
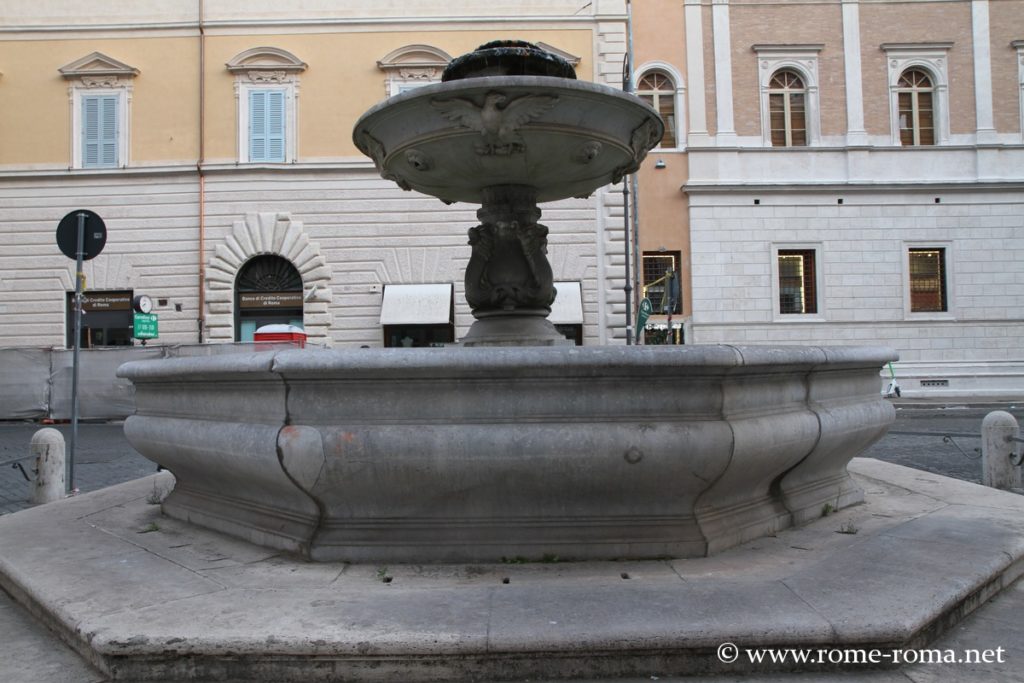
[(564, 138)]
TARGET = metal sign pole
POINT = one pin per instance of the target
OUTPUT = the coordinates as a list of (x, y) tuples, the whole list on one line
[(80, 252)]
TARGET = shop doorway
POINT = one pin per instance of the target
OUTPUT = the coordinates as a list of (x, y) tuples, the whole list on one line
[(268, 291), (106, 319)]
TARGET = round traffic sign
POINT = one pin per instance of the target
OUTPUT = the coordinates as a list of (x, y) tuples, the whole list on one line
[(94, 239)]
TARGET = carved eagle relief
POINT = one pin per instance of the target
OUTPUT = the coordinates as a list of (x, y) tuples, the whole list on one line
[(498, 120)]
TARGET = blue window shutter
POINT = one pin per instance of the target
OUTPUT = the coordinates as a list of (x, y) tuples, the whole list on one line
[(90, 131), (258, 125), (275, 125), (266, 125), (99, 131), (108, 126)]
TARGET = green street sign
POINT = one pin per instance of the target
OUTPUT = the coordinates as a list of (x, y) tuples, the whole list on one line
[(645, 312), (145, 326)]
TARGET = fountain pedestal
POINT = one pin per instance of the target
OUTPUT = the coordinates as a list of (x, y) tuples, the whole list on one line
[(509, 285)]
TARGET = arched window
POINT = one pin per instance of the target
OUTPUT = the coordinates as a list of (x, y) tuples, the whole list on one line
[(915, 94), (658, 90), (787, 109), (268, 291)]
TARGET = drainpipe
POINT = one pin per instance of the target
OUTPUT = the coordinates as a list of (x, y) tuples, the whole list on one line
[(201, 320), (627, 85)]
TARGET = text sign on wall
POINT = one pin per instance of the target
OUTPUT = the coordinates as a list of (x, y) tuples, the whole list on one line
[(145, 326), (107, 301), (270, 299)]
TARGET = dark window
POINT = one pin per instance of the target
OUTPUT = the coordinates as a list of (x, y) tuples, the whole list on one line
[(663, 291), (414, 336), (573, 333), (927, 280), (797, 290), (107, 319)]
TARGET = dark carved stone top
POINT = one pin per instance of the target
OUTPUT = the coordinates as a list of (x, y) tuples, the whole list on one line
[(508, 58)]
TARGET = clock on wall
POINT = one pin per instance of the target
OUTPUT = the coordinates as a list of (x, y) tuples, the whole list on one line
[(142, 304)]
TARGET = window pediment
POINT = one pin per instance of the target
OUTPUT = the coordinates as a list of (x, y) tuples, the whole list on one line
[(809, 49), (567, 56), (933, 60), (414, 56), (97, 65), (415, 62), (265, 59), (931, 56)]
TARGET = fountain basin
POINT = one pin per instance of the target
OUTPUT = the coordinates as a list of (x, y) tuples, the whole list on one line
[(422, 455)]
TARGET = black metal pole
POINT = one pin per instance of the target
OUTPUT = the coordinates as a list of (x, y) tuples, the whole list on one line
[(80, 255)]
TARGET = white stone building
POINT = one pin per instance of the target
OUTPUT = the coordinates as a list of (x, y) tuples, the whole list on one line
[(856, 175)]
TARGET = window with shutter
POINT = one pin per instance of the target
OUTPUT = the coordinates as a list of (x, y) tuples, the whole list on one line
[(266, 125), (101, 96), (99, 131), (267, 97)]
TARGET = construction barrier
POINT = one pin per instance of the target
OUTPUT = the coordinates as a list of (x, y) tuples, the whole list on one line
[(35, 383)]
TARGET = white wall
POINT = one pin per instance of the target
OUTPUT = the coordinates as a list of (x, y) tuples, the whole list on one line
[(368, 231), (861, 251)]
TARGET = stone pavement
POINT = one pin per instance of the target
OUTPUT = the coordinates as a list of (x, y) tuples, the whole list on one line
[(31, 654), (137, 591), (102, 458)]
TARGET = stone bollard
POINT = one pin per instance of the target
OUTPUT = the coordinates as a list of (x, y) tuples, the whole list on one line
[(998, 430), (48, 448)]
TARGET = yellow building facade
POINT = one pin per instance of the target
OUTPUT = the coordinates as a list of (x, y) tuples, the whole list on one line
[(215, 142)]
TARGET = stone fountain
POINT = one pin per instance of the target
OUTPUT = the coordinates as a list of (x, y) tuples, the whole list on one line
[(514, 445)]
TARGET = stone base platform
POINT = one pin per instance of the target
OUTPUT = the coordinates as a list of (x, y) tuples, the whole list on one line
[(148, 598)]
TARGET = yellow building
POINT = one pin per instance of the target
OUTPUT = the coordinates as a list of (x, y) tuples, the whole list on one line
[(214, 139)]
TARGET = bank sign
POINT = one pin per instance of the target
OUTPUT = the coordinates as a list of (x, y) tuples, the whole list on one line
[(145, 326)]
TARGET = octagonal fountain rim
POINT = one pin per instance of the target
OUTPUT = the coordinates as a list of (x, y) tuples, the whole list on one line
[(519, 362), (435, 455)]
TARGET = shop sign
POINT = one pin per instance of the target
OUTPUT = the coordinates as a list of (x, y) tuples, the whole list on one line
[(145, 326), (270, 299), (644, 313), (107, 301)]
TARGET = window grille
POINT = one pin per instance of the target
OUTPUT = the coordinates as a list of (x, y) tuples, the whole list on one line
[(797, 281)]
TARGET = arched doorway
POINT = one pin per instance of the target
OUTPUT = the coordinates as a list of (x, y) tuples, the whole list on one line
[(268, 291)]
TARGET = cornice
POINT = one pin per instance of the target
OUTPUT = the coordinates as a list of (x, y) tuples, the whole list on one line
[(308, 24), (352, 164), (852, 187)]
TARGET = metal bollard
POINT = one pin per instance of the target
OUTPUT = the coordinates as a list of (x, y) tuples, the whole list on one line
[(999, 433), (48, 449)]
